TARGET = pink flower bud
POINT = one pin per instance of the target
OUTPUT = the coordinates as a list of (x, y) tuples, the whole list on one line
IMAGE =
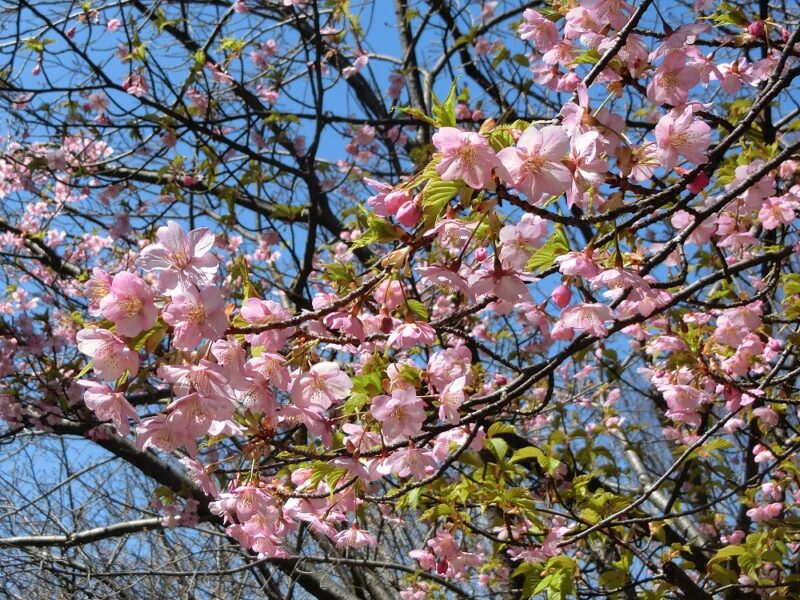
[(394, 200), (409, 213), (561, 296), (698, 183), (480, 254), (756, 28)]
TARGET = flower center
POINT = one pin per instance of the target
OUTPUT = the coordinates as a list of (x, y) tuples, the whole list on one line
[(679, 139), (467, 155), (196, 314), (535, 162), (130, 307), (669, 80), (181, 259)]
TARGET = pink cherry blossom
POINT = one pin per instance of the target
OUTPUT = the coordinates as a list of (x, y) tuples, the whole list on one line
[(160, 432), (756, 193), (256, 395), (136, 85), (263, 312), (194, 413), (762, 454), (323, 385), (683, 402), (180, 260), (271, 367), (613, 12), (443, 277), (451, 398), (354, 537), (196, 315), (588, 167), (777, 211), (199, 474), (409, 461), (242, 503), (673, 80), (590, 317), (535, 165), (111, 356), (231, 359), (400, 415), (465, 155), (359, 62), (109, 405), (377, 202), (520, 240), (577, 264), (409, 213), (680, 133), (505, 284), (96, 288), (129, 304), (205, 378), (394, 200), (541, 31), (448, 365), (765, 512), (411, 334)]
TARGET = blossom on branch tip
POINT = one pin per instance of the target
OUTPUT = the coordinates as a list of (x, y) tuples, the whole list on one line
[(400, 415), (680, 133), (534, 166), (590, 317), (323, 385), (465, 155), (180, 259), (196, 315), (111, 356), (129, 304), (108, 405)]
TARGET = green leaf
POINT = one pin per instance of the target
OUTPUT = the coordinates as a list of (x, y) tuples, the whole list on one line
[(417, 114), (332, 475), (410, 500), (726, 553), (418, 308), (444, 113), (587, 57), (613, 579), (791, 283), (436, 194), (199, 58), (85, 370), (365, 386), (727, 14), (500, 138), (500, 428), (378, 231), (501, 55), (556, 245), (497, 446), (526, 454)]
